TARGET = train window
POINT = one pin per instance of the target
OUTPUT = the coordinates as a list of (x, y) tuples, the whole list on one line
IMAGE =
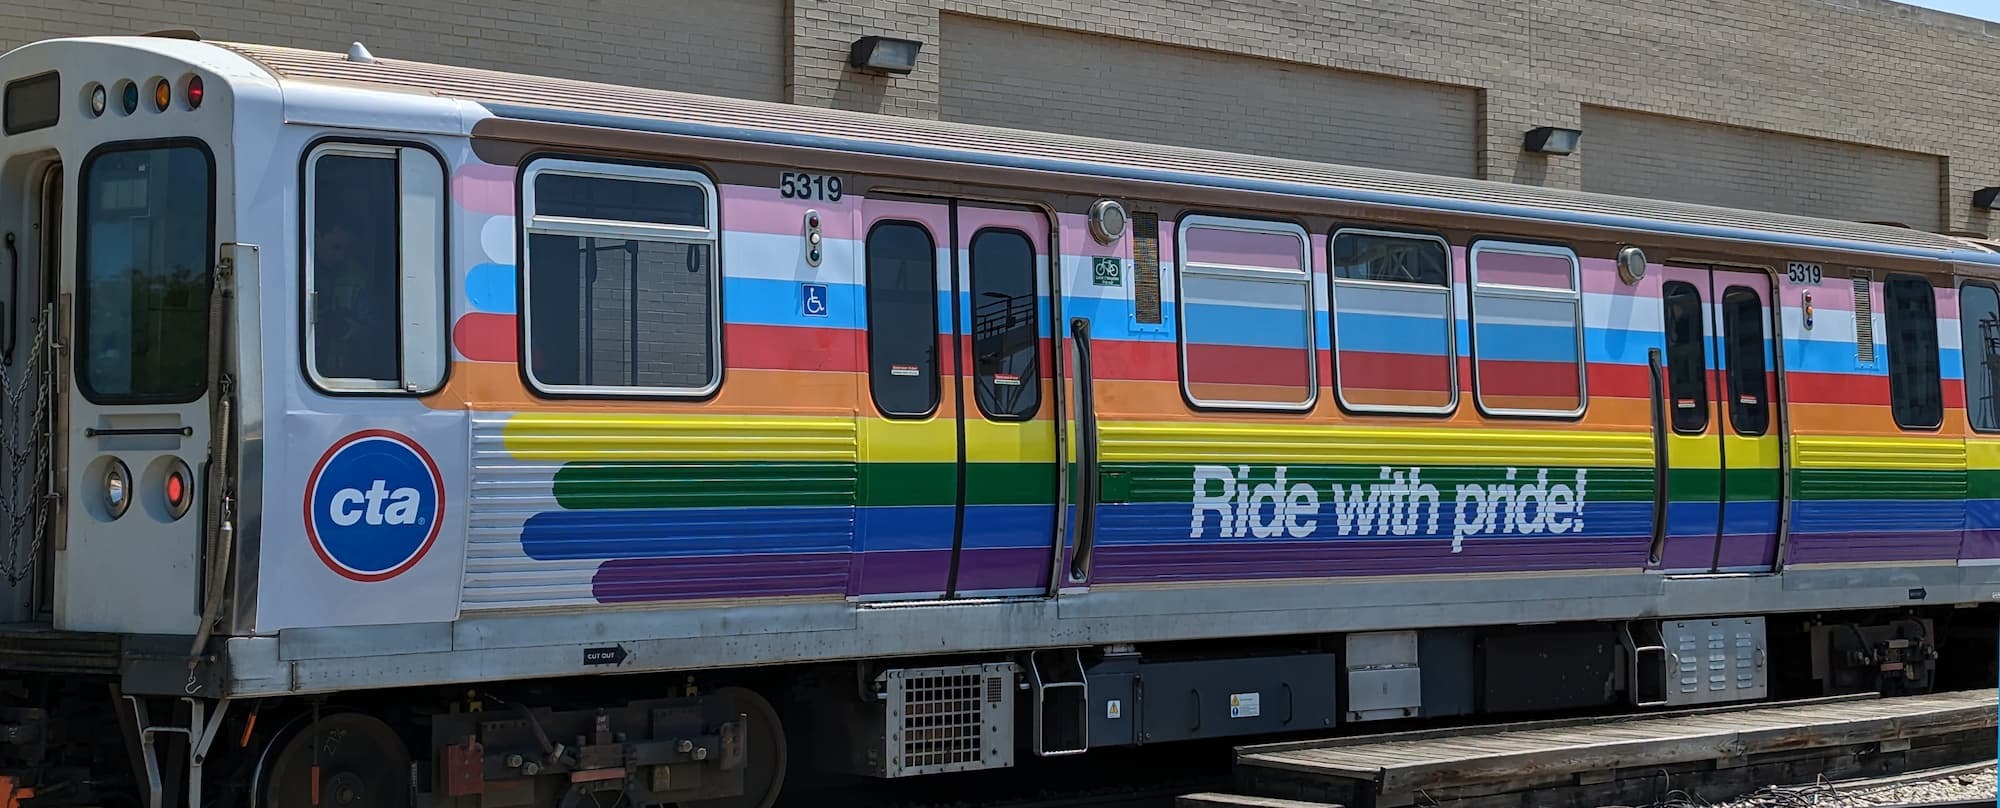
[(1743, 350), (1006, 338), (374, 268), (902, 319), (1247, 314), (1687, 357), (144, 263), (1393, 329), (1979, 347), (1916, 395), (1527, 330), (622, 280)]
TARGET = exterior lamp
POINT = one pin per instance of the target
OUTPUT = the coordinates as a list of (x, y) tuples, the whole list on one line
[(1986, 198), (884, 54), (1553, 140)]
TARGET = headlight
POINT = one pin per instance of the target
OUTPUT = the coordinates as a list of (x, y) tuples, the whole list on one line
[(117, 488)]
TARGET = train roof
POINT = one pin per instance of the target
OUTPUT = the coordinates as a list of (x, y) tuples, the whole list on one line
[(541, 98)]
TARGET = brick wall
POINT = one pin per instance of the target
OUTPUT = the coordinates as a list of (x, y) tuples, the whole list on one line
[(1061, 81), (1872, 94), (1671, 158), (731, 48)]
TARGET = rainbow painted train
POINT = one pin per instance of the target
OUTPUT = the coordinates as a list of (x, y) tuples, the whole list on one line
[(349, 397)]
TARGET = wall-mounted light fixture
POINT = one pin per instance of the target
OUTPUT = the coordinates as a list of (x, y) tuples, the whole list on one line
[(884, 54), (1986, 198), (1552, 140)]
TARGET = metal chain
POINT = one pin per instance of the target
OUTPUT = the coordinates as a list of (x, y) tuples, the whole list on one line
[(21, 501)]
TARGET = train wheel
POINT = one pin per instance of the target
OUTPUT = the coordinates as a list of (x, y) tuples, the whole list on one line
[(360, 761), (764, 774)]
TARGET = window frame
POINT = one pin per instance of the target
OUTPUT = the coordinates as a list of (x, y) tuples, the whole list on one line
[(1450, 288), (440, 313), (80, 319), (1890, 362), (1965, 353), (868, 321), (1574, 296), (532, 224), (1198, 221), (1730, 390), (1036, 264)]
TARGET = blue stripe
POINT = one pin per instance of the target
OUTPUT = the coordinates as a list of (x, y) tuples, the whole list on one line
[(690, 532), (491, 288), (1352, 195), (1890, 517)]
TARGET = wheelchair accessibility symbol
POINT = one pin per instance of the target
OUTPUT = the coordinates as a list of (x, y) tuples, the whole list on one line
[(812, 299)]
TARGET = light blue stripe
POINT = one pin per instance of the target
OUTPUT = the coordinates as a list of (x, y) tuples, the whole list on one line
[(491, 288)]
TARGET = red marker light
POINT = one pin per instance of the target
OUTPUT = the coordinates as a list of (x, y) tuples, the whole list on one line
[(194, 92), (176, 489)]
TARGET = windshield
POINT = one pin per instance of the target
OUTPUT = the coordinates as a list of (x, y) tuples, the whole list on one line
[(143, 290)]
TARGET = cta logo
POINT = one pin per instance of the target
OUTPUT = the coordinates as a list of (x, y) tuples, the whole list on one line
[(372, 505)]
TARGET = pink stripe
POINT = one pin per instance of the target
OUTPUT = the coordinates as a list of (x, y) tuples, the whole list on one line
[(1837, 294), (484, 188), (1076, 237), (934, 217), (1241, 248), (1540, 271), (754, 209), (971, 220)]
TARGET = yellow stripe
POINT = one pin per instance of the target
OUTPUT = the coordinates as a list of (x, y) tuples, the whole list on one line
[(568, 437), (1982, 453), (1850, 452), (1751, 453), (694, 438), (935, 440), (1156, 442), (1693, 451)]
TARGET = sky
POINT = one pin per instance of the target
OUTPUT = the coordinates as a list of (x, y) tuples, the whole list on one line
[(1982, 9)]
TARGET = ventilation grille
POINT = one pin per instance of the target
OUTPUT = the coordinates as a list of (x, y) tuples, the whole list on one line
[(1146, 267), (957, 718), (1864, 321)]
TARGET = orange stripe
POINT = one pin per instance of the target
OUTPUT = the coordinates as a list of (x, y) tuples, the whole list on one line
[(497, 387), (1857, 419)]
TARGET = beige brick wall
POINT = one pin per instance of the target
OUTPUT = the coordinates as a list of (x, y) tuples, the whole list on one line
[(1062, 81), (1901, 85), (1635, 153), (732, 48)]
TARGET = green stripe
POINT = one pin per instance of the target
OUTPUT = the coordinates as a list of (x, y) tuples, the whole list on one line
[(1705, 485), (594, 486), (1838, 484), (935, 484)]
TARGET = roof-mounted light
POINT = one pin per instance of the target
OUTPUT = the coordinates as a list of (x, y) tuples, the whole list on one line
[(163, 94)]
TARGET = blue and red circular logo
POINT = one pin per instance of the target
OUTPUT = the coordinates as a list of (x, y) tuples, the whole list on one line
[(372, 505)]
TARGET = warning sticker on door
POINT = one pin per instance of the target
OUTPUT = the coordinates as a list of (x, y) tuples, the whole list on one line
[(1244, 705)]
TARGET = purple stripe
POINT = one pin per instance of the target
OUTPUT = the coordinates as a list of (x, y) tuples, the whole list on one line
[(1739, 551), (1981, 544), (649, 579), (1825, 548), (1296, 559)]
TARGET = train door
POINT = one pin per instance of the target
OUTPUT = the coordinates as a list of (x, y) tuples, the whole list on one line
[(136, 388), (1722, 450), (27, 428), (962, 459)]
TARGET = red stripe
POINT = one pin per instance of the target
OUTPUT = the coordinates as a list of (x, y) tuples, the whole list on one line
[(1237, 364), (785, 347), (1429, 373), (1516, 378), (486, 337)]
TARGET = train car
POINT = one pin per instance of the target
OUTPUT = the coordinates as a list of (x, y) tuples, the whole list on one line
[(398, 434)]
